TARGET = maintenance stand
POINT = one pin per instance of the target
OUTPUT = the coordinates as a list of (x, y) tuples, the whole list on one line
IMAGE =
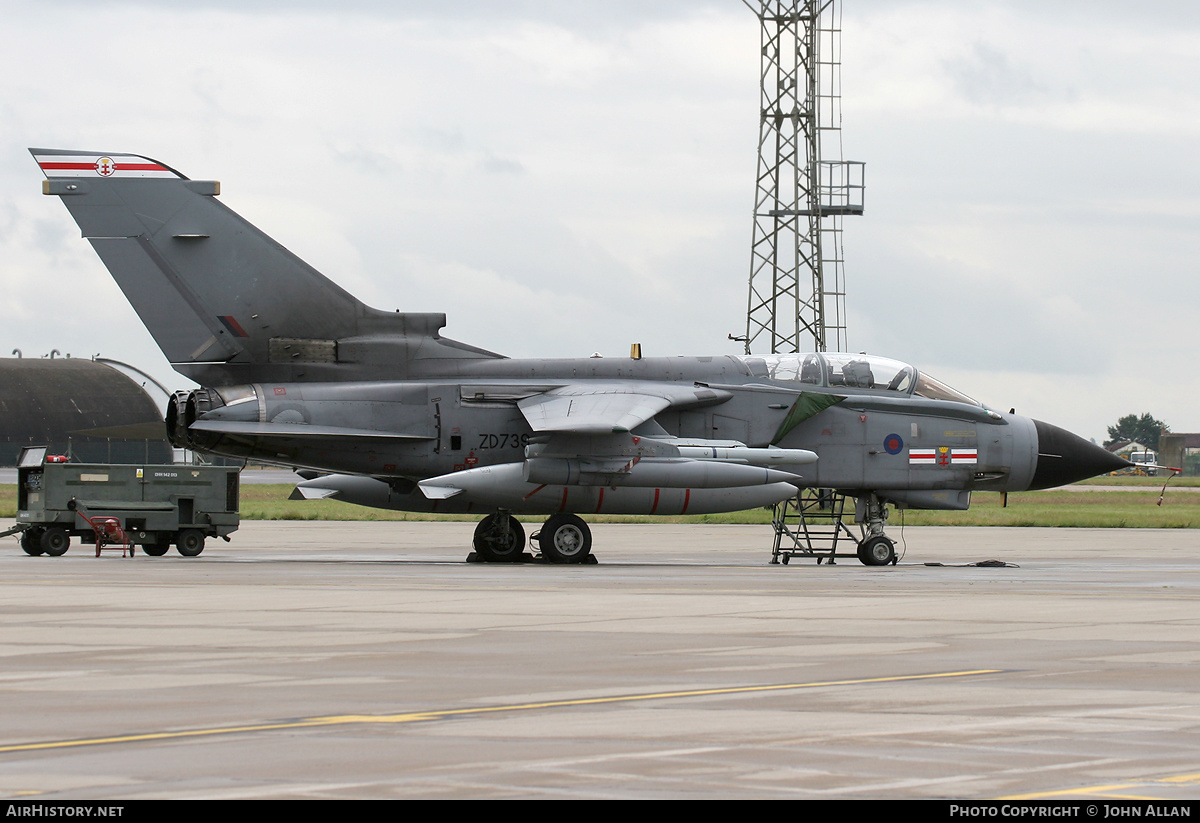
[(812, 524)]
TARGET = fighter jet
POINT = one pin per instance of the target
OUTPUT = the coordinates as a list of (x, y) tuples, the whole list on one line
[(378, 408)]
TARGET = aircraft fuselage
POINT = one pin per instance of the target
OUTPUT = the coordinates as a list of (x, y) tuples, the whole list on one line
[(927, 453)]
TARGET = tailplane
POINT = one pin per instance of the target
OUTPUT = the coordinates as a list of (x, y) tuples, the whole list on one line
[(225, 302)]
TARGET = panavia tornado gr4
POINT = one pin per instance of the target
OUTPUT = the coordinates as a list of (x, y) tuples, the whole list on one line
[(377, 408)]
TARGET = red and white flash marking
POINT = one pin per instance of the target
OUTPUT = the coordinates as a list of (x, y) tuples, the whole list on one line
[(101, 165)]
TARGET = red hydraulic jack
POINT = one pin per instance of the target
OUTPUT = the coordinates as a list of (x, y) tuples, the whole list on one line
[(110, 536)]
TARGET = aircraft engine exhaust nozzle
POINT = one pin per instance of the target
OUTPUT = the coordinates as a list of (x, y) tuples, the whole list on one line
[(186, 408), (183, 409), (1064, 458)]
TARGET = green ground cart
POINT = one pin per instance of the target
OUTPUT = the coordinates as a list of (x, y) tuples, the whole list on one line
[(155, 505)]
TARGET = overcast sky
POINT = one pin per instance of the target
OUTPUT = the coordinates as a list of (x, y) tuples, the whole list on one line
[(569, 177)]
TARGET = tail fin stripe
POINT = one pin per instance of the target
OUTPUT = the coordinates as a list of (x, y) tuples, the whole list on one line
[(233, 325), (92, 167), (71, 164), (67, 166)]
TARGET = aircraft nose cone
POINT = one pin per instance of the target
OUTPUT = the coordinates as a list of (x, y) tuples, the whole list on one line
[(1067, 458)]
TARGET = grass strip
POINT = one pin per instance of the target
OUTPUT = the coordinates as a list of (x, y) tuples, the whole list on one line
[(1134, 506)]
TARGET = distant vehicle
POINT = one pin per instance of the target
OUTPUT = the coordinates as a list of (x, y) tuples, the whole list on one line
[(298, 372), (1145, 464), (156, 506)]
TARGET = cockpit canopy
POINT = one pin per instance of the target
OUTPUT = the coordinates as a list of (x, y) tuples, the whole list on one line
[(844, 371)]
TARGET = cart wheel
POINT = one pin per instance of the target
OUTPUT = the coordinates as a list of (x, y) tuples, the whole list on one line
[(31, 542), (55, 541), (190, 542), (158, 548)]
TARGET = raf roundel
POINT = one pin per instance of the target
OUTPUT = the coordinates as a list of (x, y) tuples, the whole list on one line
[(893, 444)]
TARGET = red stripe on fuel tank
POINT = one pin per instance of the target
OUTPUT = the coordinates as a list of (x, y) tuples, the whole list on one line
[(654, 508), (687, 498), (599, 502)]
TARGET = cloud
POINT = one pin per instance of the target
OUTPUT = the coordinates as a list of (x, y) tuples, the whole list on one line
[(565, 177)]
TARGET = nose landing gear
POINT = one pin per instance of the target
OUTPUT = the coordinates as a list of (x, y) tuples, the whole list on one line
[(877, 551), (876, 548)]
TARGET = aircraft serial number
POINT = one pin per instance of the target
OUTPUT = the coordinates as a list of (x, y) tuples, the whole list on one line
[(503, 441)]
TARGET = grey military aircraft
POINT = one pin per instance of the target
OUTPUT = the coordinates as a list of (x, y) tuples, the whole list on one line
[(377, 408)]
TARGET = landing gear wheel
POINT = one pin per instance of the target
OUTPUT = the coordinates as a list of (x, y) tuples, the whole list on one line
[(499, 538), (190, 542), (565, 538), (55, 541), (158, 548), (877, 551), (31, 542)]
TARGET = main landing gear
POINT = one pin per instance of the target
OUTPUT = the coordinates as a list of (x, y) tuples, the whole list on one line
[(563, 538), (499, 538)]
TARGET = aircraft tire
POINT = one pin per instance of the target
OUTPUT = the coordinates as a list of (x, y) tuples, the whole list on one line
[(565, 538), (31, 542), (55, 541), (877, 551), (490, 542), (158, 548), (190, 542)]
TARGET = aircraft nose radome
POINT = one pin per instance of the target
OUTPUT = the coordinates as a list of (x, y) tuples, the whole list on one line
[(1067, 458)]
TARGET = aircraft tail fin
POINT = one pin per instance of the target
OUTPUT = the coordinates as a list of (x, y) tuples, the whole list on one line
[(225, 302)]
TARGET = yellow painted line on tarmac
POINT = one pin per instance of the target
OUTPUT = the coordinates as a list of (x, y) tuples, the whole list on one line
[(439, 714), (1114, 791)]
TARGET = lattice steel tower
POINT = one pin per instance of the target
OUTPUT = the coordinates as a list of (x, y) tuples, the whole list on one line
[(797, 283)]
